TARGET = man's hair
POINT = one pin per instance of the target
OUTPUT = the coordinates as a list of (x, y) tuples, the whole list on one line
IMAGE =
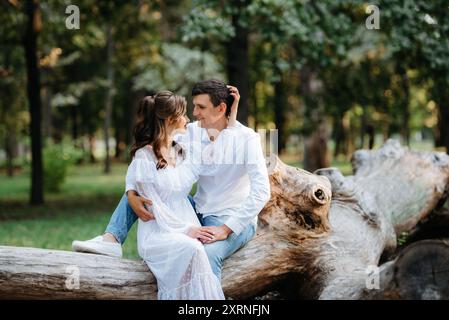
[(218, 92)]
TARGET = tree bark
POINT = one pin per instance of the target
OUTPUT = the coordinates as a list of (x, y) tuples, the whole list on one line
[(280, 106), (11, 151), (237, 62), (405, 83), (34, 99), (327, 229), (315, 148), (419, 272), (315, 129), (436, 226), (109, 95), (443, 123), (92, 147)]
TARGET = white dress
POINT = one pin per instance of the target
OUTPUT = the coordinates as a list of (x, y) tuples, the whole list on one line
[(178, 262)]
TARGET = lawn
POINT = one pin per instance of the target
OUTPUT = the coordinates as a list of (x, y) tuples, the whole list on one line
[(80, 211)]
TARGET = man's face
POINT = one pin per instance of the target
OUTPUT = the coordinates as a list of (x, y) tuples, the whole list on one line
[(205, 112)]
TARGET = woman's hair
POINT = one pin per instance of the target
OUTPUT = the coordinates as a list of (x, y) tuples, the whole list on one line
[(151, 115)]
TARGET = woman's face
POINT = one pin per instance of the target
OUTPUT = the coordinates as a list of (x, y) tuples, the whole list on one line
[(180, 124)]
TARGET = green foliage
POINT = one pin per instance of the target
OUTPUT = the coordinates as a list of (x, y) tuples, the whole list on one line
[(402, 238), (176, 68), (57, 159)]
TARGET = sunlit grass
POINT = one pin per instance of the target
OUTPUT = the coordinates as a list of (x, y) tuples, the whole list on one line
[(80, 211)]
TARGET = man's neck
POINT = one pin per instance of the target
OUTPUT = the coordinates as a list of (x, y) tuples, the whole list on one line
[(219, 125)]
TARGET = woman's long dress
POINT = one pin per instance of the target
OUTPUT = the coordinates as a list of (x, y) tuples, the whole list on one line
[(178, 262)]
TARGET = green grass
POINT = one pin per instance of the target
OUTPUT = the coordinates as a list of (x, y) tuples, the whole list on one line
[(86, 180), (80, 211), (59, 232)]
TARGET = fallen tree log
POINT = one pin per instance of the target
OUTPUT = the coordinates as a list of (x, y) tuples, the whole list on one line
[(329, 238), (391, 191), (436, 226), (29, 273), (420, 272)]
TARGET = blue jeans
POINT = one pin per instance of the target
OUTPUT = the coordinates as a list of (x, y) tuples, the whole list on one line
[(124, 217)]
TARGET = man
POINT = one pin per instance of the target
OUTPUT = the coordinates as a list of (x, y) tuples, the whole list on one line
[(228, 202)]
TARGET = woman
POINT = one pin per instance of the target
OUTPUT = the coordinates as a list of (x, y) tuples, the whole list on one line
[(172, 244)]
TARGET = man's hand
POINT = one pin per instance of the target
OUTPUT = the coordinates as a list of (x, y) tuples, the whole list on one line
[(203, 234), (235, 105), (138, 203), (219, 233)]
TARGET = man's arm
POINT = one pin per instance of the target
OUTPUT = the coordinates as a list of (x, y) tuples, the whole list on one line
[(260, 186), (136, 202), (258, 196)]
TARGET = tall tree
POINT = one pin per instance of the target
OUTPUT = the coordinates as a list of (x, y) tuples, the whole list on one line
[(109, 94), (237, 57), (34, 99)]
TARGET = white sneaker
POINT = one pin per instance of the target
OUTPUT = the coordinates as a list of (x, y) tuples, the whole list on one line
[(99, 246)]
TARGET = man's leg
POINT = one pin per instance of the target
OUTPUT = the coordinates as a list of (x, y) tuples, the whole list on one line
[(218, 251), (119, 225)]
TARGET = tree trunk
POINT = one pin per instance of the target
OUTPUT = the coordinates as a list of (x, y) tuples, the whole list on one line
[(419, 272), (371, 135), (10, 150), (315, 149), (109, 96), (237, 62), (339, 135), (131, 115), (34, 99), (406, 108), (315, 129), (92, 147), (330, 240), (46, 112), (280, 105), (436, 226), (119, 144), (362, 127), (443, 123), (75, 129)]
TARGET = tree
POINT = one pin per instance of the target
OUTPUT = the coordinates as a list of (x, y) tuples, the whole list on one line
[(13, 105), (34, 99)]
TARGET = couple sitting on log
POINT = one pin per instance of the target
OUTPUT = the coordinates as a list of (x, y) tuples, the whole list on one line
[(185, 240)]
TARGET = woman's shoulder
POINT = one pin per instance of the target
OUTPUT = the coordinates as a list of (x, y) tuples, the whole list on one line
[(146, 152)]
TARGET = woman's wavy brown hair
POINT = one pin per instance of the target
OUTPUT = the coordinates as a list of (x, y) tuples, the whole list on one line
[(151, 115)]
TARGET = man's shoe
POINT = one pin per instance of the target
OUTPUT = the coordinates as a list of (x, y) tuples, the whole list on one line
[(99, 246)]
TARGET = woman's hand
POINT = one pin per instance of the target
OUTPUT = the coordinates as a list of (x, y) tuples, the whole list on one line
[(203, 234), (235, 105)]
